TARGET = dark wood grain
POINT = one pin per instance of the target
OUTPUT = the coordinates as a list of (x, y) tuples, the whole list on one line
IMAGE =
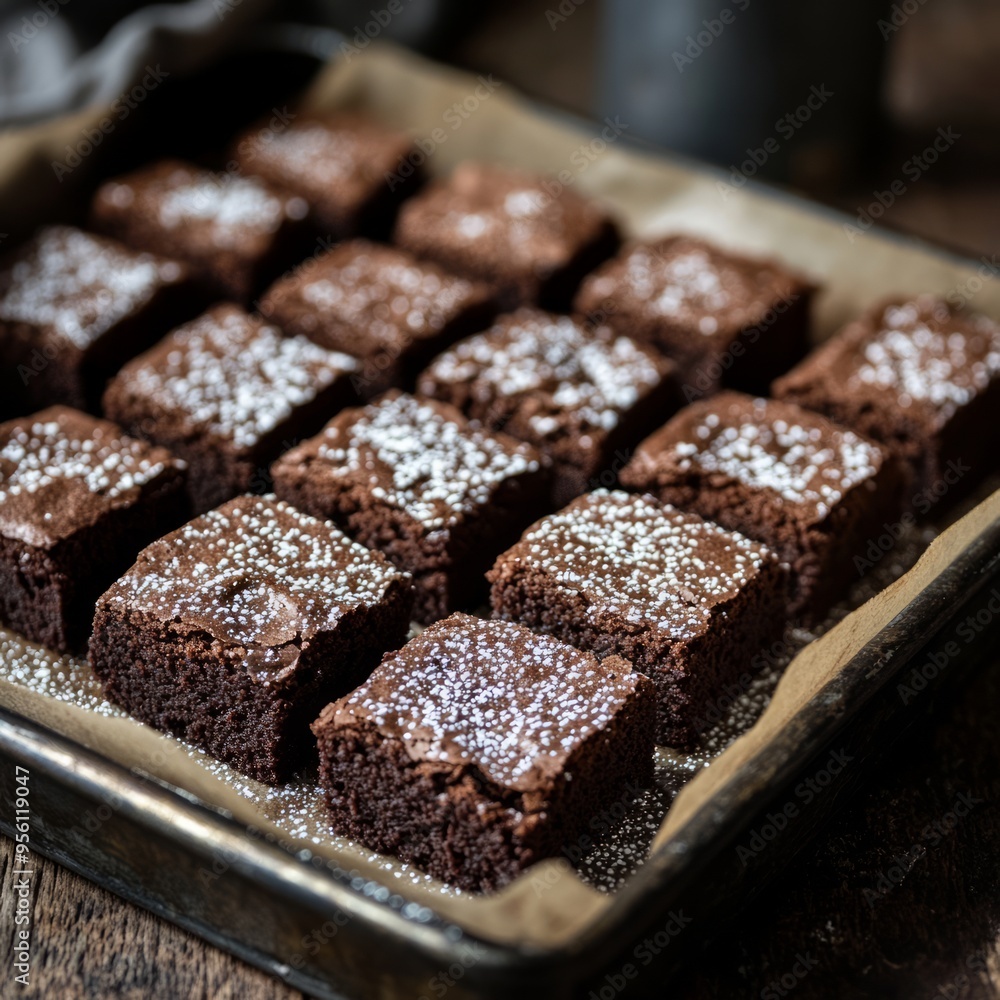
[(87, 943)]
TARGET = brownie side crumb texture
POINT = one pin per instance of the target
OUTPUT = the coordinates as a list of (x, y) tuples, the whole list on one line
[(381, 305), (237, 233), (812, 491), (582, 396), (78, 500), (919, 376), (233, 631), (687, 602), (228, 393), (480, 748), (351, 171), (411, 478), (529, 235), (74, 307), (727, 319)]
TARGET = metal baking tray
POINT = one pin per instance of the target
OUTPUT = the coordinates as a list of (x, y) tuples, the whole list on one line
[(326, 919)]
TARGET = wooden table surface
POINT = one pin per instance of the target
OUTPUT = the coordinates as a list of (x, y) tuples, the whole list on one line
[(899, 898)]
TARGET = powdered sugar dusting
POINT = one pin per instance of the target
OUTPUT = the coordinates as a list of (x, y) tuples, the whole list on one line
[(80, 285), (688, 281), (646, 562), (802, 461), (433, 467), (491, 694), (256, 572), (231, 204), (555, 365), (42, 452), (927, 355), (384, 294), (235, 376)]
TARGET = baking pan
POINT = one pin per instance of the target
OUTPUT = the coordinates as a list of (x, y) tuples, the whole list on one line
[(254, 872)]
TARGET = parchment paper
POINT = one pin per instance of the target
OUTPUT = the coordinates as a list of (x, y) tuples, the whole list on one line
[(458, 116)]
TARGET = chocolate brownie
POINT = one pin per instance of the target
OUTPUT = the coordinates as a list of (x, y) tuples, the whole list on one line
[(581, 396), (919, 376), (413, 479), (228, 393), (351, 171), (381, 305), (233, 631), (531, 236), (75, 307), (480, 748), (725, 318), (687, 602), (237, 233), (78, 500), (815, 493)]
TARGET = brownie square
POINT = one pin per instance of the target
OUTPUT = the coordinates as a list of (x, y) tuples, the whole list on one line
[(78, 500), (381, 305), (233, 631), (687, 602), (351, 171), (582, 396), (228, 393), (75, 307), (237, 233), (480, 748), (529, 235), (413, 479), (725, 318), (919, 376), (813, 492)]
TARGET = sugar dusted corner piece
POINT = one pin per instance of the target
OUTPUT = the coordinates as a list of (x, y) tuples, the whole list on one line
[(532, 236), (74, 307), (233, 631), (687, 602), (78, 500), (480, 748), (919, 376), (228, 392), (725, 318), (412, 478), (814, 492)]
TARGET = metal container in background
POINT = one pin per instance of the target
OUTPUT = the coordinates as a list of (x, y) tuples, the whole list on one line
[(718, 80)]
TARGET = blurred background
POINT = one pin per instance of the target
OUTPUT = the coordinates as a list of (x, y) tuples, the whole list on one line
[(838, 101)]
